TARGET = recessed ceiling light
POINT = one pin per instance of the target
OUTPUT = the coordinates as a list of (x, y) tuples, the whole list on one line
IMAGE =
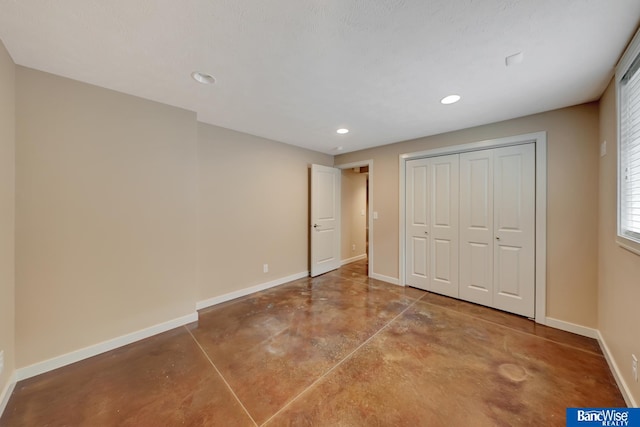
[(342, 131), (340, 148), (204, 78), (450, 99)]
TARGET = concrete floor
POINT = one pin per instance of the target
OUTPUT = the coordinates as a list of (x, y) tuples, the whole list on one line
[(336, 350)]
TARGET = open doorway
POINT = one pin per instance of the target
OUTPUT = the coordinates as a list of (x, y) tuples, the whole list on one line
[(356, 214)]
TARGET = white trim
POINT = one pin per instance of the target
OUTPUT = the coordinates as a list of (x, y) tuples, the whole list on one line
[(628, 245), (401, 220), (613, 366), (250, 290), (6, 393), (541, 228), (387, 279), (353, 259), (626, 60), (94, 350), (368, 163), (572, 327), (629, 55), (540, 139), (475, 146)]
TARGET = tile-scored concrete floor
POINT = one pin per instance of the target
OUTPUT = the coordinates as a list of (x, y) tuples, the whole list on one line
[(337, 350)]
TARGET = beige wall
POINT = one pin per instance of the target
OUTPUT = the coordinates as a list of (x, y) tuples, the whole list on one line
[(572, 202), (129, 211), (106, 190), (253, 209), (108, 225), (619, 269), (354, 224), (111, 188), (7, 213)]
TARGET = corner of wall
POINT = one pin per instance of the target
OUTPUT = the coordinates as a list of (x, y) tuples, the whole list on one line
[(5, 393), (7, 223)]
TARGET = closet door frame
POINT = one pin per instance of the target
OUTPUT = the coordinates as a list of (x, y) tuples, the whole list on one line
[(540, 141)]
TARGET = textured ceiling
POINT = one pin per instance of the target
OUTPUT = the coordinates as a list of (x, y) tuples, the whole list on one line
[(296, 70)]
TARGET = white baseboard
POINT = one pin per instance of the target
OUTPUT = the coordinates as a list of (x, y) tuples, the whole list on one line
[(572, 327), (387, 279), (6, 393), (353, 259), (247, 291), (613, 366), (94, 350)]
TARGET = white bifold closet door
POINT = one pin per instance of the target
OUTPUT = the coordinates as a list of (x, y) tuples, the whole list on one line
[(432, 224), (417, 223), (497, 228)]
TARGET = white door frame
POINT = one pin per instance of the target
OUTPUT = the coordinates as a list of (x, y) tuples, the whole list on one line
[(540, 140), (363, 163)]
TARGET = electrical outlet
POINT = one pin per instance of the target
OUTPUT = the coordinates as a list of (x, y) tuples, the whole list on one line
[(1, 361), (634, 367), (353, 247), (265, 268)]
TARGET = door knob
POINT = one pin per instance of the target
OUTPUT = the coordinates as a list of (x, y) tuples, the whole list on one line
[(315, 226), (497, 238)]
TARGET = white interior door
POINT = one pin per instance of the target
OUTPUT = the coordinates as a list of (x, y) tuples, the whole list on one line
[(417, 223), (514, 229), (325, 219), (476, 227), (443, 227)]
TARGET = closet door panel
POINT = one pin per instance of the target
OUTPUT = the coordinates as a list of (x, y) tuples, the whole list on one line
[(514, 223), (476, 226), (417, 223), (444, 233)]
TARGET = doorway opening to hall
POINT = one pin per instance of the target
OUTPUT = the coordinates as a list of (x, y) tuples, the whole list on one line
[(355, 216)]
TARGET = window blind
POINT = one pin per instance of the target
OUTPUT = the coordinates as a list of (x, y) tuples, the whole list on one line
[(630, 153)]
